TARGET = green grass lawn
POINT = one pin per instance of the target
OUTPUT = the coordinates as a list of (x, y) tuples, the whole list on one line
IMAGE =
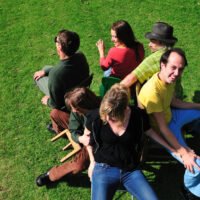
[(27, 29)]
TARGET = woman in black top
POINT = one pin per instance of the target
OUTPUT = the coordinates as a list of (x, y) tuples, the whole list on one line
[(116, 133)]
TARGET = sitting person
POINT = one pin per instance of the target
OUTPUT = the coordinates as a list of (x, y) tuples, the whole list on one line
[(80, 100), (126, 54), (72, 69), (168, 115), (161, 39), (116, 132)]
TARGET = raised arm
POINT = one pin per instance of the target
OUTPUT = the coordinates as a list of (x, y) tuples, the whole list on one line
[(101, 48)]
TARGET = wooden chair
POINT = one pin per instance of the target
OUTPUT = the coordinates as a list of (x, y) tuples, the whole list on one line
[(76, 147)]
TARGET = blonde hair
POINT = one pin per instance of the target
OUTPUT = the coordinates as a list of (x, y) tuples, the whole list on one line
[(115, 102)]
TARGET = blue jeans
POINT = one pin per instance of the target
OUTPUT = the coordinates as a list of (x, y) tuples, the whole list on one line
[(180, 117), (106, 180), (107, 73)]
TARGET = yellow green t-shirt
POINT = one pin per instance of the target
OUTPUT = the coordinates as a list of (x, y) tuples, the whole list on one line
[(156, 96), (149, 66)]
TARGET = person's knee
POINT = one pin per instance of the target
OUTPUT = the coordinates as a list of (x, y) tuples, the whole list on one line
[(54, 113), (80, 166)]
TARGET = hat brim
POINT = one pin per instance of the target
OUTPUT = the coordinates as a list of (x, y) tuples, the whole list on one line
[(153, 36)]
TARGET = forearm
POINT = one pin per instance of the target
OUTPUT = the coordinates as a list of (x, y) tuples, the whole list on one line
[(101, 53), (47, 69), (129, 80), (168, 135), (171, 139), (166, 132), (156, 137), (90, 153), (177, 103)]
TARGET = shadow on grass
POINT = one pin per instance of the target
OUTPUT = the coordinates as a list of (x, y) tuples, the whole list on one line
[(78, 180), (167, 178), (164, 173), (196, 97)]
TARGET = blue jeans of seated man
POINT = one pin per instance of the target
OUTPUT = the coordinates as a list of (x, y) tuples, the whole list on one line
[(106, 180), (180, 117)]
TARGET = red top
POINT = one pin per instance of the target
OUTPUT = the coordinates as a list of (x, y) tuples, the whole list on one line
[(122, 61)]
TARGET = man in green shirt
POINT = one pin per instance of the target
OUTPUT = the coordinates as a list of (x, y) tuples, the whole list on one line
[(72, 70), (161, 38)]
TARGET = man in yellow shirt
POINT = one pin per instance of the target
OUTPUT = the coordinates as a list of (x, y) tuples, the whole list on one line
[(168, 115)]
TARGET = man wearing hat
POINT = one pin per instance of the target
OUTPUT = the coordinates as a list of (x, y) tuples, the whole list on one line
[(161, 39)]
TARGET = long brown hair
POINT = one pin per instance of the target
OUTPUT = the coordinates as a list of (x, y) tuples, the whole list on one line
[(126, 35), (82, 97)]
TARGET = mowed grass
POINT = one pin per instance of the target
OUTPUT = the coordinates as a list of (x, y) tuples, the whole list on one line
[(27, 29)]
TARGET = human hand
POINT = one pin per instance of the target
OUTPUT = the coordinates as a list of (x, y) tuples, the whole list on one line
[(101, 47), (39, 74), (90, 170), (44, 100), (84, 139), (189, 160)]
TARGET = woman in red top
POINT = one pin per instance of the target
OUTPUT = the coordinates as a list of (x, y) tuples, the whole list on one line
[(126, 54)]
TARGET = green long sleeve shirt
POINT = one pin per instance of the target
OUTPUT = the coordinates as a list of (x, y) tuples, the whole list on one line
[(66, 75)]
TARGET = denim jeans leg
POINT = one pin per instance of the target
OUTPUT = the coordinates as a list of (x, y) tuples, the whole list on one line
[(105, 181), (136, 184), (107, 72), (192, 180), (179, 118), (183, 116)]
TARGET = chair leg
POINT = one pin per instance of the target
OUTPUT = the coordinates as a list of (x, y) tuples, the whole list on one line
[(70, 154), (58, 136), (65, 147)]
